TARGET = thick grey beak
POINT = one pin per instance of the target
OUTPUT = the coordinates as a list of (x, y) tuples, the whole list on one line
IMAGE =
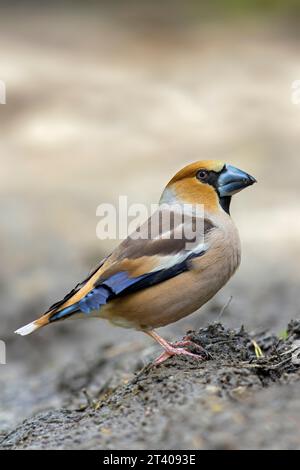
[(232, 180)]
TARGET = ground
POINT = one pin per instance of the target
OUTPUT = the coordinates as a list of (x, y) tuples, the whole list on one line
[(244, 395)]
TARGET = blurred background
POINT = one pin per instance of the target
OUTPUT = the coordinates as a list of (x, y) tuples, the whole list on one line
[(112, 98)]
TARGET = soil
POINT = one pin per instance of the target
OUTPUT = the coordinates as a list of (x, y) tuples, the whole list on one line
[(243, 395)]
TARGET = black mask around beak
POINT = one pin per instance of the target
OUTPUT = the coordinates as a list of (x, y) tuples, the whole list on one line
[(232, 180)]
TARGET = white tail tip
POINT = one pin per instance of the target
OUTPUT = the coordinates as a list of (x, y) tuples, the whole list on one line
[(27, 329)]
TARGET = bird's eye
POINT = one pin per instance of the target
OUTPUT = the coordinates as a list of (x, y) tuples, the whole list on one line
[(202, 175)]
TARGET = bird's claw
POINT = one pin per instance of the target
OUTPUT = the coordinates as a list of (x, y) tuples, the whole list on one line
[(178, 349)]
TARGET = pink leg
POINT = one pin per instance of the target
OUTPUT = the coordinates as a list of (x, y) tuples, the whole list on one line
[(174, 349)]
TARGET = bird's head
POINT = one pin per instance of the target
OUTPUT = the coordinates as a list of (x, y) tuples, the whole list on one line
[(209, 182)]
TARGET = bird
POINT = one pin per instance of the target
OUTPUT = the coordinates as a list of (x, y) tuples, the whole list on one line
[(171, 265)]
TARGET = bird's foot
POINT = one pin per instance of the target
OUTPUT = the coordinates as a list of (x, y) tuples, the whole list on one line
[(178, 349)]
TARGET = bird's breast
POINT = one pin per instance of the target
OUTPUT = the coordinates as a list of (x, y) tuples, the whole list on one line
[(183, 294)]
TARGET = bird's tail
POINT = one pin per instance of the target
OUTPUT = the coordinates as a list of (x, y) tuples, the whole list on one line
[(35, 325), (92, 301), (52, 316)]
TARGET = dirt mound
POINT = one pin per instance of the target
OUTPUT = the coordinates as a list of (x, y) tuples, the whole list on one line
[(184, 403)]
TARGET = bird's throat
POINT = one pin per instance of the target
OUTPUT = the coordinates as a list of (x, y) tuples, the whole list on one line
[(225, 203)]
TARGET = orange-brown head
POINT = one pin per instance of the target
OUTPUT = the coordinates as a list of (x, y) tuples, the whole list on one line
[(208, 182)]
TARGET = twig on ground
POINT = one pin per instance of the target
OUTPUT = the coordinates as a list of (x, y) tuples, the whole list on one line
[(224, 308)]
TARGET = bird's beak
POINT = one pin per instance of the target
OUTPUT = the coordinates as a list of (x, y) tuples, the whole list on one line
[(232, 180)]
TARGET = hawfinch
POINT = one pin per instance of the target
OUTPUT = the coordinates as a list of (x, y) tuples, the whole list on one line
[(171, 265)]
